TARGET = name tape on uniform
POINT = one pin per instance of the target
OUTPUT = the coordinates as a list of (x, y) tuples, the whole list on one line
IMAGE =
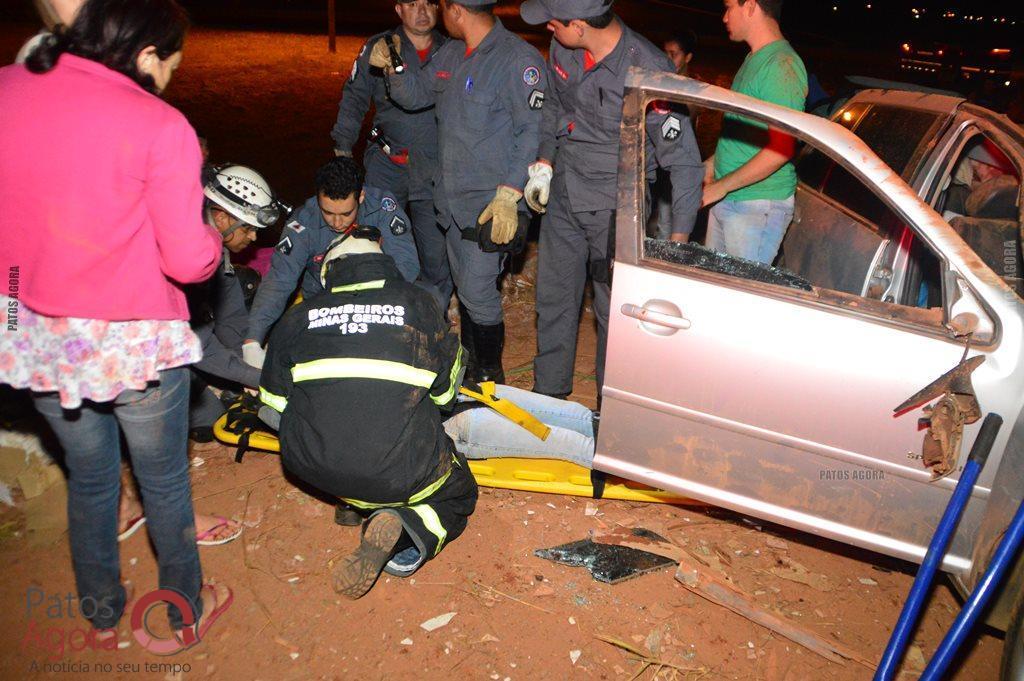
[(351, 318)]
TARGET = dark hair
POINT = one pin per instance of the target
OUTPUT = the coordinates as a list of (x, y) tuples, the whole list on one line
[(772, 8), (601, 21), (475, 9), (113, 33), (686, 39), (339, 178)]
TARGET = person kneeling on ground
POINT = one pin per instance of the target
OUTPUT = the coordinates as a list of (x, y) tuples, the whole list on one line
[(359, 375)]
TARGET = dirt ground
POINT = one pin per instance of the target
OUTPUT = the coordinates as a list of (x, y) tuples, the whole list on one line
[(269, 100)]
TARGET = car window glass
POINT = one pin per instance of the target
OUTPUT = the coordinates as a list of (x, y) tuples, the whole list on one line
[(893, 133), (829, 248)]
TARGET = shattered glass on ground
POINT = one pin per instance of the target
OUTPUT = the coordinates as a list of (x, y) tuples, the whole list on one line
[(609, 564)]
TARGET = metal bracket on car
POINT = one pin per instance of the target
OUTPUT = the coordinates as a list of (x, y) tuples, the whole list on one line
[(945, 420)]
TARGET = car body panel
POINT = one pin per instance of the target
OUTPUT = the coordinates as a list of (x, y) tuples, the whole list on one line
[(779, 403)]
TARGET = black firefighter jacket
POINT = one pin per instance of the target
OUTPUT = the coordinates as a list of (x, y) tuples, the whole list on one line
[(359, 373)]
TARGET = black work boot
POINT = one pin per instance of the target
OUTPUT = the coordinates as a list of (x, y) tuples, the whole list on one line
[(355, 573), (488, 343), (466, 326)]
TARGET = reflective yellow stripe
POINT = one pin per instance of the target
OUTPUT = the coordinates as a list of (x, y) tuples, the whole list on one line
[(429, 489), (447, 396), (275, 402), (433, 523), (415, 498), (361, 286), (366, 505), (348, 367)]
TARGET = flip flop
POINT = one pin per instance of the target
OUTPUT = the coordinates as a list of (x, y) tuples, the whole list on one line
[(201, 537), (133, 527), (206, 620)]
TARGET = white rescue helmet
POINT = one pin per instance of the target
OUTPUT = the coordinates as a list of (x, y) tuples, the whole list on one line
[(356, 240), (244, 194)]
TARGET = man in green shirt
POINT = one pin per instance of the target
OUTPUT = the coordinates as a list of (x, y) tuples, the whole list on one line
[(750, 181)]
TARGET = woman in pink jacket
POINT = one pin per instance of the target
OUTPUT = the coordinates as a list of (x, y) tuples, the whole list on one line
[(99, 179)]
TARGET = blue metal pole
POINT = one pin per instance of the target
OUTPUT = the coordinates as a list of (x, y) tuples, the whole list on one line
[(907, 622), (1001, 562)]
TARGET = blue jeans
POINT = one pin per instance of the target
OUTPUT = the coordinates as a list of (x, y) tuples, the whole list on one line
[(155, 425), (749, 229), (483, 433)]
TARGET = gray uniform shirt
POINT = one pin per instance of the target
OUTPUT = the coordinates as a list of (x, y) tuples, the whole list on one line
[(488, 106), (582, 116), (412, 129), (300, 253), (220, 320)]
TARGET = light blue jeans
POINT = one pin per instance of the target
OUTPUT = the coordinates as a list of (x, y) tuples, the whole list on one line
[(749, 229), (483, 433), (154, 423)]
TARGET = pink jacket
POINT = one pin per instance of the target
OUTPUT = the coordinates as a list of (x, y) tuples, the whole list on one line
[(100, 198)]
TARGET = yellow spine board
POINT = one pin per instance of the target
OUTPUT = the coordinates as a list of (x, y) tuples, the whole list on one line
[(548, 476)]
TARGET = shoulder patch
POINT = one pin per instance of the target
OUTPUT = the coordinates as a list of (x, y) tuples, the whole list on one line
[(536, 100), (296, 227), (562, 73), (671, 128), (355, 70), (531, 76), (388, 204), (284, 246), (398, 226)]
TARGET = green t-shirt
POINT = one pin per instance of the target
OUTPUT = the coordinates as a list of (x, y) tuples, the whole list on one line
[(775, 73)]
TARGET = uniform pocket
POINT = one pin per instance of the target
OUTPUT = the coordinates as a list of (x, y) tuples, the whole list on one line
[(477, 111)]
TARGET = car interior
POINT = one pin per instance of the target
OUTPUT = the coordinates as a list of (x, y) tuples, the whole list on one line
[(980, 200)]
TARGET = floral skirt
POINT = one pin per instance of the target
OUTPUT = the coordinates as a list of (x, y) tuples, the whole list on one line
[(89, 359)]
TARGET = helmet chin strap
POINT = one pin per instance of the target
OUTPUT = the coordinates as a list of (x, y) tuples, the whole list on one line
[(237, 225)]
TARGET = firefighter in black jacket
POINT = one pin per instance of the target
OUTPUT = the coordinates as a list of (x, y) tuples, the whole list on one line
[(359, 374)]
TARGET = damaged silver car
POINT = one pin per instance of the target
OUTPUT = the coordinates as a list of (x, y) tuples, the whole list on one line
[(838, 392)]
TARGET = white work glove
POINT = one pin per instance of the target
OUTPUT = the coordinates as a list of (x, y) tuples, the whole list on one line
[(502, 214), (253, 354), (538, 188), (380, 55)]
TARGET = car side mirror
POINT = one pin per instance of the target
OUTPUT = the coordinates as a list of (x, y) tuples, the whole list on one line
[(967, 314)]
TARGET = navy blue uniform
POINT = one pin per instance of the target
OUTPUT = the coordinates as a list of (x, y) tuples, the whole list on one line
[(299, 254)]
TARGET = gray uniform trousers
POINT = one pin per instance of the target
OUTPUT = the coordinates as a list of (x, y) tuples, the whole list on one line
[(430, 245), (476, 277), (568, 243)]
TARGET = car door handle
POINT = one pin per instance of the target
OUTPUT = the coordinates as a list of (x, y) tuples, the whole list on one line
[(668, 315)]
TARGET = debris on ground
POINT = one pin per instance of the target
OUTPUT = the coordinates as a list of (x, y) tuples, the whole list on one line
[(708, 585), (437, 622), (609, 564)]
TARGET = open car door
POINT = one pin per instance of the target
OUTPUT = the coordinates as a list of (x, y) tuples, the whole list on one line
[(749, 388)]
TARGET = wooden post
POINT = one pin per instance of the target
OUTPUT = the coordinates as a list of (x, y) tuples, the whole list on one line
[(331, 43)]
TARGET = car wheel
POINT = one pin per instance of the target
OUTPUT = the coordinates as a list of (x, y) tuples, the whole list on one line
[(1013, 647)]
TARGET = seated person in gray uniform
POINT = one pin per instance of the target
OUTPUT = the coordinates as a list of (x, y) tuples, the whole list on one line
[(341, 201)]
